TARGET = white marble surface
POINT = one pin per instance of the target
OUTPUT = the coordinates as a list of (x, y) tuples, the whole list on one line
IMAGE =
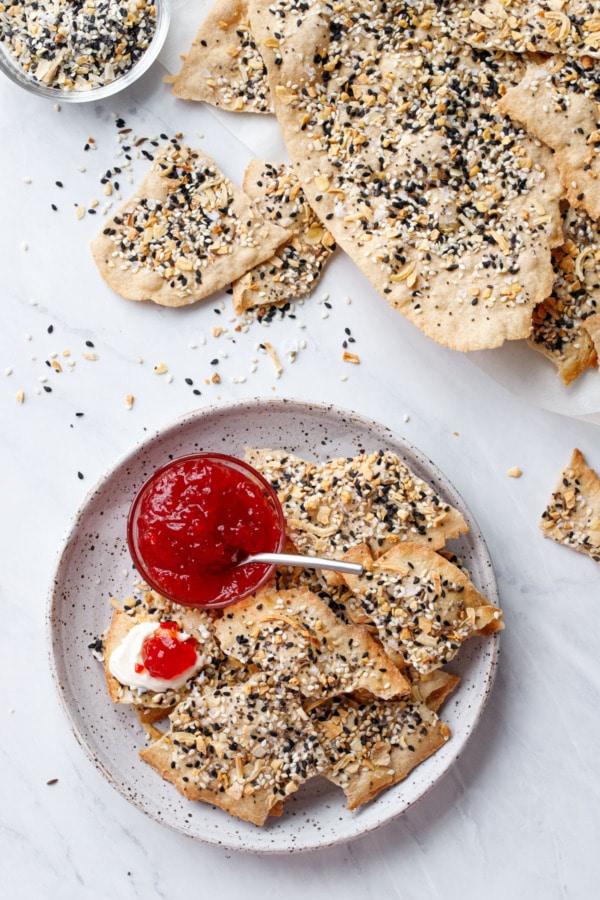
[(518, 815)]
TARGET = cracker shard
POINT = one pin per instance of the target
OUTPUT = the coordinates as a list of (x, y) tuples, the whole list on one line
[(297, 266), (186, 233), (447, 207), (233, 748), (564, 324), (373, 498), (296, 640), (373, 745), (224, 66), (423, 606), (572, 516)]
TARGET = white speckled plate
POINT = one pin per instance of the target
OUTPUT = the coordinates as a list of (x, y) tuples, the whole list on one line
[(95, 564)]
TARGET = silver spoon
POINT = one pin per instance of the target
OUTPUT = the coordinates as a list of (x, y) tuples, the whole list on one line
[(307, 562)]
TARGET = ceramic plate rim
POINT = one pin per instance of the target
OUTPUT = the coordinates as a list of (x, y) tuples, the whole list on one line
[(161, 434)]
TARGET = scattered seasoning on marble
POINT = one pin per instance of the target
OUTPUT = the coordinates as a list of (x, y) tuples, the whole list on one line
[(77, 46), (52, 781), (80, 475)]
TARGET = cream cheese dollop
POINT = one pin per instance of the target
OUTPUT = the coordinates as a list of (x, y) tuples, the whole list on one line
[(123, 660)]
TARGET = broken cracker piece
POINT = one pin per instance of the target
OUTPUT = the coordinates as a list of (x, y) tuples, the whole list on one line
[(424, 607), (372, 498), (186, 233), (297, 266), (572, 516), (224, 66), (373, 745), (296, 640), (244, 748)]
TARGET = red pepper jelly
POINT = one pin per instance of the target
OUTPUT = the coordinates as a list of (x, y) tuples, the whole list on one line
[(195, 519), (166, 656)]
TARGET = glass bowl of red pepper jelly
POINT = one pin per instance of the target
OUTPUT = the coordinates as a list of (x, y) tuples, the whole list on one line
[(195, 519)]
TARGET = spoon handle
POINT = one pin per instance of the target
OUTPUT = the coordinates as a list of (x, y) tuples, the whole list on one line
[(307, 562)]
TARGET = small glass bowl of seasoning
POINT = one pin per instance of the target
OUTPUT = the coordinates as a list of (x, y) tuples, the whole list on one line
[(195, 520), (73, 52)]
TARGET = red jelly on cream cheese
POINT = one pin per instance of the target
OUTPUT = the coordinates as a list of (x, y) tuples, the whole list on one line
[(195, 519), (164, 655)]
